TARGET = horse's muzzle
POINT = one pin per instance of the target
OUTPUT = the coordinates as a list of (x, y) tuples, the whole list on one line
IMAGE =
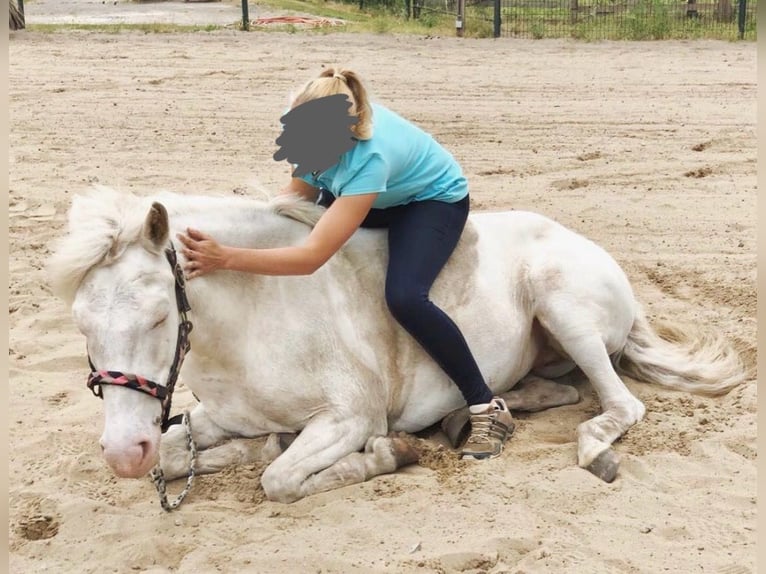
[(131, 460)]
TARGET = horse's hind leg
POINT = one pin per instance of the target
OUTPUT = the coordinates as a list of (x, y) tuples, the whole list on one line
[(621, 410), (531, 394)]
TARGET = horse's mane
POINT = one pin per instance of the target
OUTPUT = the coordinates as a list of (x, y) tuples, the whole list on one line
[(103, 222), (297, 208)]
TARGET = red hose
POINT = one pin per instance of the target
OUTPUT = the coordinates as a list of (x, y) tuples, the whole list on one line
[(297, 20)]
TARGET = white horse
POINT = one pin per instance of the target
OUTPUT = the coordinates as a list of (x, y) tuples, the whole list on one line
[(319, 356)]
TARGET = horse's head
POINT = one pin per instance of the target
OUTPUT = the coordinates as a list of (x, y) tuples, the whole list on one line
[(114, 269)]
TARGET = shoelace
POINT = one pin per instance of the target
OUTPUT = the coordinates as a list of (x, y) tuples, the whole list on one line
[(482, 426)]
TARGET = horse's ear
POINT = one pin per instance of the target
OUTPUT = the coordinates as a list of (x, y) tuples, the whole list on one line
[(156, 228)]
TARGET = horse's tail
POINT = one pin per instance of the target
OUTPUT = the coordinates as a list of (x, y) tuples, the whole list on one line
[(692, 360)]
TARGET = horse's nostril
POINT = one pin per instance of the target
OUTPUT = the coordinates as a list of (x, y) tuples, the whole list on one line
[(145, 446)]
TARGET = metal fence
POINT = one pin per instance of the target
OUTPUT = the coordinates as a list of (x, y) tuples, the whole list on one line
[(602, 19)]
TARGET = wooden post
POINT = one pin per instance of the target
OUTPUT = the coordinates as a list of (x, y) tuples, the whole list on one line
[(691, 9), (460, 22)]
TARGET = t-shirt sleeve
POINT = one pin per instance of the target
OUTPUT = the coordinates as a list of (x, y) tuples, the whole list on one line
[(308, 178), (372, 177)]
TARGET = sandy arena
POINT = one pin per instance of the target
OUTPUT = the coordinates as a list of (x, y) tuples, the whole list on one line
[(647, 148)]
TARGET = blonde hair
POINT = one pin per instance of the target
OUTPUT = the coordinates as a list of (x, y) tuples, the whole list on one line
[(331, 82)]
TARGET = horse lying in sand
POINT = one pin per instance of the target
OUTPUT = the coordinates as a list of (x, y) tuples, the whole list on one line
[(320, 357)]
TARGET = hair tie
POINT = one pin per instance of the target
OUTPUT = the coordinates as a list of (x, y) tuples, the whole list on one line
[(339, 76)]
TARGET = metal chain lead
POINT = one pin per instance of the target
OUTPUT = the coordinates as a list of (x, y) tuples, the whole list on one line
[(158, 477)]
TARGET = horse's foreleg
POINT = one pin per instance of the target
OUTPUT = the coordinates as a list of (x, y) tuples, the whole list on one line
[(621, 410), (320, 445), (174, 450), (213, 454), (235, 451), (382, 454)]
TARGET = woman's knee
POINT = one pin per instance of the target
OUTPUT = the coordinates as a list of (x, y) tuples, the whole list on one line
[(404, 302)]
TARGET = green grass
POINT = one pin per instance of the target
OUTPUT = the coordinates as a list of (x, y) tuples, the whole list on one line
[(648, 20)]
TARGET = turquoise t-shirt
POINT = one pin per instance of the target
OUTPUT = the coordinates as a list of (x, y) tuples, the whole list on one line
[(401, 162)]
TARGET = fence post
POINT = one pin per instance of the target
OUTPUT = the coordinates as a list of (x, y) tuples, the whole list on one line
[(460, 22), (245, 15), (574, 8), (741, 18), (496, 19), (724, 10)]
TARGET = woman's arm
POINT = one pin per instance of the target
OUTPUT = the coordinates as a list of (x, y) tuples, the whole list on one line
[(340, 221)]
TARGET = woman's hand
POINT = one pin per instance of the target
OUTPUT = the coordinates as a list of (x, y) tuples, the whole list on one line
[(203, 253)]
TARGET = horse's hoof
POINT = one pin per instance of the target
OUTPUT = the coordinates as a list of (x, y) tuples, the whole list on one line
[(605, 465), (405, 452), (456, 426)]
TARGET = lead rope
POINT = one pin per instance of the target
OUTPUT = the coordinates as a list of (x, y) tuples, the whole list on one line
[(158, 477)]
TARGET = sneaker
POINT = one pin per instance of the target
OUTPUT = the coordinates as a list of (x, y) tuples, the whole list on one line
[(489, 431)]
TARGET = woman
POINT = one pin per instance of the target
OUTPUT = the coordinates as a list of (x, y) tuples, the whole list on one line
[(396, 176)]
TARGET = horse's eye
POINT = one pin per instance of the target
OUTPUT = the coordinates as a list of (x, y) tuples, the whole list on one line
[(160, 322)]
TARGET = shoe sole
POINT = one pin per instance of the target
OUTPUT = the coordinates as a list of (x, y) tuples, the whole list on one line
[(488, 456), (480, 457)]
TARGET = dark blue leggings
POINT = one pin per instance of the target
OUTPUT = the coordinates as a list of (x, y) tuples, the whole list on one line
[(421, 237)]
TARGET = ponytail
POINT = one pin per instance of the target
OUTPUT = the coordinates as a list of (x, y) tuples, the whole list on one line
[(363, 109)]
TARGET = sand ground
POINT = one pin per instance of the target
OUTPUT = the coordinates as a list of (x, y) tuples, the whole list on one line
[(647, 148), (220, 13)]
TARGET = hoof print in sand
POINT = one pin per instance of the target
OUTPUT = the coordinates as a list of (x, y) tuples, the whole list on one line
[(38, 527)]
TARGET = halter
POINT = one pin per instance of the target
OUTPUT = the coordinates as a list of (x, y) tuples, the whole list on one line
[(98, 378)]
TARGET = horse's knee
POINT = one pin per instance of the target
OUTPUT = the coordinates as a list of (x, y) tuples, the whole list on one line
[(279, 487)]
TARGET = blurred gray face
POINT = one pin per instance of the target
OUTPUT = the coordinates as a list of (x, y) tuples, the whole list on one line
[(316, 134)]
